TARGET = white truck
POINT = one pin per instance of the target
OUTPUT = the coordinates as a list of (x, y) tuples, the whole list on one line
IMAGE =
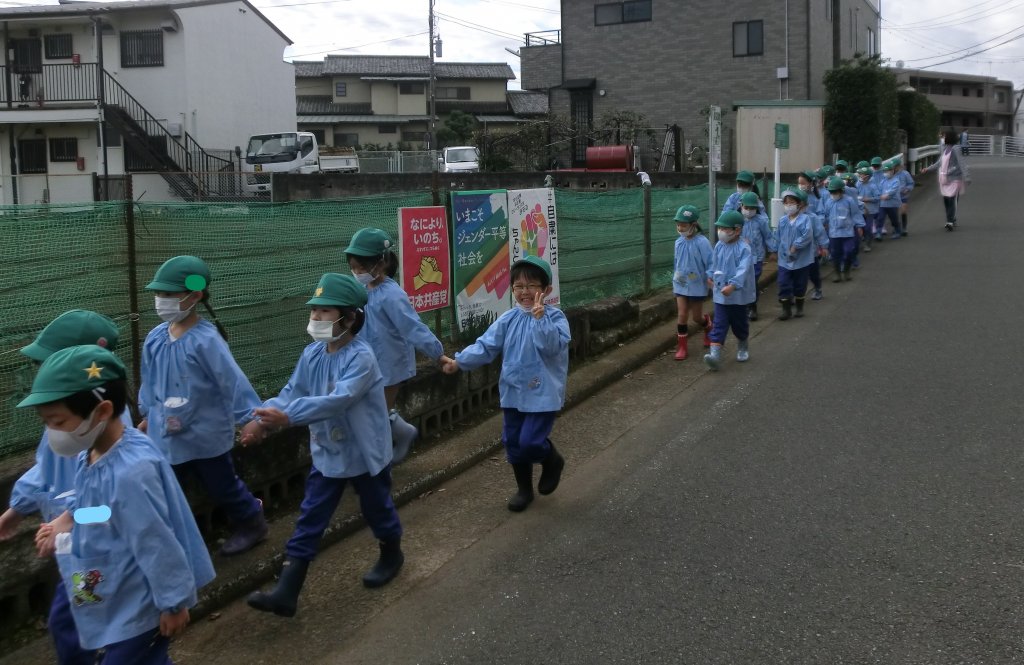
[(459, 159), (291, 152)]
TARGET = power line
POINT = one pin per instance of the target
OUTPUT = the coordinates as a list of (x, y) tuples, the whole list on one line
[(299, 4), (519, 4), (944, 17), (967, 48), (481, 28), (352, 48), (936, 64)]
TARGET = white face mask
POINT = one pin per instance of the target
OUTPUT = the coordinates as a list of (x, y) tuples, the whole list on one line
[(169, 309), (805, 188), (742, 189), (749, 212), (887, 174), (790, 208), (323, 331), (69, 444), (724, 236), (836, 195), (363, 278)]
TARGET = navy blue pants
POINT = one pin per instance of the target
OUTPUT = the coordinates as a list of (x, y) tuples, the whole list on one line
[(217, 476), (321, 500), (64, 633), (813, 273), (893, 215), (525, 435), (149, 648), (729, 316), (758, 268), (843, 250), (793, 282)]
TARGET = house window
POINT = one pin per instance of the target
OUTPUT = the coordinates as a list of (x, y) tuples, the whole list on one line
[(28, 56), (58, 47), (63, 150), (870, 50), (320, 135), (410, 88), (32, 156), (1000, 97), (633, 11), (387, 129), (967, 93), (979, 93), (340, 89), (451, 92), (748, 38), (142, 48), (346, 140)]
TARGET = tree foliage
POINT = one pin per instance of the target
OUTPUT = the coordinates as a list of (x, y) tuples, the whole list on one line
[(862, 110), (919, 117), (458, 129), (530, 146)]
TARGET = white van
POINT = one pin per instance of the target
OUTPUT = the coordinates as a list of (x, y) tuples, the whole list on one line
[(459, 159)]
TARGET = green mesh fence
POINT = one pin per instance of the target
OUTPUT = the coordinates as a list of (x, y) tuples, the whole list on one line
[(265, 259)]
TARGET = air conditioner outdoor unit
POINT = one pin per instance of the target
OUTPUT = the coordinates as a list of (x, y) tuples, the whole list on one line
[(174, 129), (169, 25)]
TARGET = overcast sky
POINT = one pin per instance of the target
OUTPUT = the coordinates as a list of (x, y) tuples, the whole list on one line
[(917, 32)]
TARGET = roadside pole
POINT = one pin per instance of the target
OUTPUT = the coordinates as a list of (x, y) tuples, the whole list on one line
[(714, 165)]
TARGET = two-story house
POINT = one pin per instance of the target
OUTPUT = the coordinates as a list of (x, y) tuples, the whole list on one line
[(980, 104), (670, 62), (356, 100), (90, 91)]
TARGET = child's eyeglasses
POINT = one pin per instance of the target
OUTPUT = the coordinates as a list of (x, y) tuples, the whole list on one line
[(526, 288)]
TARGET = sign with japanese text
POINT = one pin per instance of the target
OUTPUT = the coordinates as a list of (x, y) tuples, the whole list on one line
[(426, 259), (481, 257), (533, 230)]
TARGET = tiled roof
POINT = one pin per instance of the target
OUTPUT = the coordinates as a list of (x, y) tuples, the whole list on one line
[(360, 119), (528, 103), (401, 65), (323, 105), (447, 106)]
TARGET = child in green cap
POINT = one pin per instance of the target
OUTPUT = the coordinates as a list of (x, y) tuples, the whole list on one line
[(692, 257)]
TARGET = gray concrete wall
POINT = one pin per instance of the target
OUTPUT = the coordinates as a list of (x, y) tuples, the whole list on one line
[(541, 66)]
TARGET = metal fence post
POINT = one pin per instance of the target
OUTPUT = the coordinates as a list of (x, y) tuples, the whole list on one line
[(133, 284), (647, 232)]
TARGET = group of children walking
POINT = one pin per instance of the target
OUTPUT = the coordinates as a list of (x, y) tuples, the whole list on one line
[(833, 214), (129, 552)]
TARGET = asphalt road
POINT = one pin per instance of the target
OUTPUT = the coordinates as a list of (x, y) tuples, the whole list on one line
[(852, 494)]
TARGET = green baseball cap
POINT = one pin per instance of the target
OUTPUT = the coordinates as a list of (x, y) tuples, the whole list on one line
[(337, 290), (730, 219), (811, 174), (744, 177), (827, 170), (876, 161), (862, 164), (72, 328), (843, 163), (750, 200), (537, 262), (182, 273), (73, 370), (889, 165), (369, 242), (796, 193), (864, 170), (836, 184), (688, 214)]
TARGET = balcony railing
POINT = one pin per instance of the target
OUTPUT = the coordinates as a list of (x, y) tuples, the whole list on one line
[(543, 38), (49, 84)]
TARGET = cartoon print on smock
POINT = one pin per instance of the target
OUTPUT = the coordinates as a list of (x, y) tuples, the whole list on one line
[(85, 583)]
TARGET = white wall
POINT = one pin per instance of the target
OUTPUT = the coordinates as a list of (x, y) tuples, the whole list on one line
[(755, 137)]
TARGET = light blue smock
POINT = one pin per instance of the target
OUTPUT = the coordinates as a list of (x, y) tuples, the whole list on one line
[(757, 231), (842, 217), (733, 202), (395, 332), (692, 258), (818, 231), (794, 233), (877, 176), (52, 475), (906, 184), (869, 193), (890, 186), (148, 558), (193, 393), (534, 358), (340, 397), (733, 263)]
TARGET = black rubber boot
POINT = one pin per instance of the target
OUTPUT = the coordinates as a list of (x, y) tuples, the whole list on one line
[(283, 600), (799, 308), (387, 566), (551, 471), (518, 502), (787, 309), (752, 312)]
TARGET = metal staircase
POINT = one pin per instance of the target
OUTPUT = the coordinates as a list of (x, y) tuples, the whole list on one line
[(191, 172)]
